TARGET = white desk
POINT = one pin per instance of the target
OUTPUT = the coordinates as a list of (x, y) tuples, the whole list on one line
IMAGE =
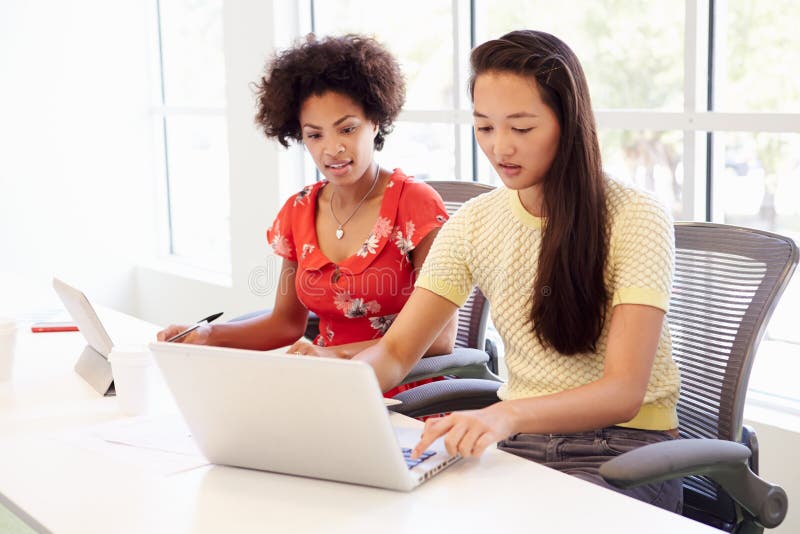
[(61, 487)]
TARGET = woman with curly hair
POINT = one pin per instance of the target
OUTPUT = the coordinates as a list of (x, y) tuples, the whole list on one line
[(351, 243)]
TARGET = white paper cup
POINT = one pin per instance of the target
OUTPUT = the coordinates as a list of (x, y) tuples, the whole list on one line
[(132, 371), (8, 343)]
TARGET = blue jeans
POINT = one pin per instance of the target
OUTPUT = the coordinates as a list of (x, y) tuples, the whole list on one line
[(583, 453)]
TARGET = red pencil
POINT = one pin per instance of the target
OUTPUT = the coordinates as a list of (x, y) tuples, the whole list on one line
[(54, 327)]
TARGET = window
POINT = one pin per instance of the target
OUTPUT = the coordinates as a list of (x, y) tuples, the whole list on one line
[(696, 101), (426, 52), (427, 141), (619, 43), (756, 160), (190, 122)]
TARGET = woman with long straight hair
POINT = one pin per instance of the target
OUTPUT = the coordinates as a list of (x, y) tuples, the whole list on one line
[(578, 270)]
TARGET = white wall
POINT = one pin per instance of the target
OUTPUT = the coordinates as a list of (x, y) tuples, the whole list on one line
[(257, 170), (75, 138), (79, 190)]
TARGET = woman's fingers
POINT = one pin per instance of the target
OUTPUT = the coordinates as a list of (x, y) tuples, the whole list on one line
[(466, 446), (483, 442), (452, 441), (170, 331), (301, 347), (197, 337), (465, 433), (434, 429)]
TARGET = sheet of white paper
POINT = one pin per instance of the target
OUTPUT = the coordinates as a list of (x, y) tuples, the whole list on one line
[(161, 445), (161, 433)]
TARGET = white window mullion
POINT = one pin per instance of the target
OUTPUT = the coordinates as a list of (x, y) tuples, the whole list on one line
[(446, 116), (457, 37), (701, 121), (729, 120), (747, 122), (462, 21), (193, 111), (695, 101)]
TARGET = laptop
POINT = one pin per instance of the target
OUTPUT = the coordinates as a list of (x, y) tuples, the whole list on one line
[(93, 363), (298, 415)]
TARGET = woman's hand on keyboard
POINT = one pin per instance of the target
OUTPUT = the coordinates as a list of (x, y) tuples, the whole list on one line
[(467, 433)]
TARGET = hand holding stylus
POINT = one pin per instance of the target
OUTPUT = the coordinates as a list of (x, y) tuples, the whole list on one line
[(169, 334)]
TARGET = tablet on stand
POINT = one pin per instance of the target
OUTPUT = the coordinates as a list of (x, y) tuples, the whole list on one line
[(92, 365)]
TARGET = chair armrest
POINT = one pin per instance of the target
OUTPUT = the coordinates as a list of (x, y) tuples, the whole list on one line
[(447, 396), (725, 462), (750, 441), (249, 315), (312, 325), (491, 349), (462, 362)]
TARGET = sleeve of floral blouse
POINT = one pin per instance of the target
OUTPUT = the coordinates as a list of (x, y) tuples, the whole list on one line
[(279, 235), (421, 210), (446, 271)]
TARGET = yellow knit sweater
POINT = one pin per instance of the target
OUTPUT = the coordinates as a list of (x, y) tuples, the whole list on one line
[(493, 242)]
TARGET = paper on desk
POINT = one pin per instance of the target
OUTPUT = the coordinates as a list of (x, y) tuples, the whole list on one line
[(44, 315), (160, 433), (158, 444)]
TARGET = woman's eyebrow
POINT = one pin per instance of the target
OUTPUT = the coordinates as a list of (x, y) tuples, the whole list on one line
[(337, 123), (517, 115), (522, 115)]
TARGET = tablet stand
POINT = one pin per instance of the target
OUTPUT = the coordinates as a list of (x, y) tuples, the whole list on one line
[(96, 370)]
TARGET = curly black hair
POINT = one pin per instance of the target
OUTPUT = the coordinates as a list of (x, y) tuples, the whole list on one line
[(353, 65)]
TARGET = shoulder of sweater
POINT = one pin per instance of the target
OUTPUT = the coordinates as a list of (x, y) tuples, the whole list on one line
[(626, 200), (476, 214), (487, 202)]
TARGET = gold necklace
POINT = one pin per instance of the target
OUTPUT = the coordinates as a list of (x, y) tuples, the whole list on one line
[(340, 228)]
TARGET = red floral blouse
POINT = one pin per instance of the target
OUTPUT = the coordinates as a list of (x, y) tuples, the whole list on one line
[(357, 299)]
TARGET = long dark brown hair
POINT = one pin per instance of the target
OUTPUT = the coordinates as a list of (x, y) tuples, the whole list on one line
[(570, 297)]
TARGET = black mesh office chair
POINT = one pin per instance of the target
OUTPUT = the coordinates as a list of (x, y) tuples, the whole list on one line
[(474, 356), (727, 283)]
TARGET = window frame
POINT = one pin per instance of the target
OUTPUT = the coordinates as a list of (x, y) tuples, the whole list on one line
[(161, 113), (698, 121)]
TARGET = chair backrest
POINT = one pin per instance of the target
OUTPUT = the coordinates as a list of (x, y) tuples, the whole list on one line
[(727, 282), (472, 317)]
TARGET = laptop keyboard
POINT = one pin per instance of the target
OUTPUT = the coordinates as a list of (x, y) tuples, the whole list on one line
[(413, 463)]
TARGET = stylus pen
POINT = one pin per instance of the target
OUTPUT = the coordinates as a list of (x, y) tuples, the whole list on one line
[(194, 327)]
